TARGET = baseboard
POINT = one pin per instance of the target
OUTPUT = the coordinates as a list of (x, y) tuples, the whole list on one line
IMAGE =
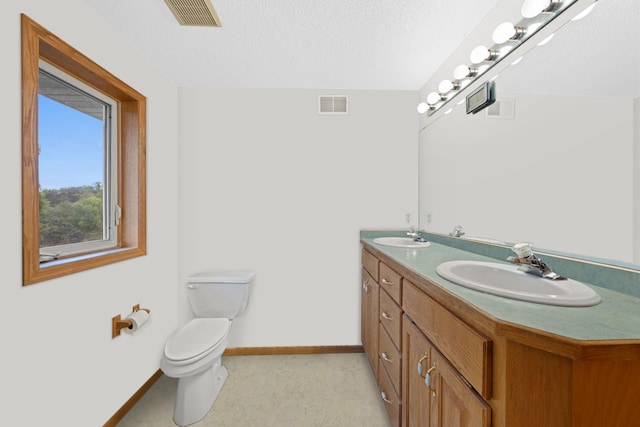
[(118, 416), (325, 349)]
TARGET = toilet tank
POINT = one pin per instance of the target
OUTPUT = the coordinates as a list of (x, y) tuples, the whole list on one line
[(223, 294)]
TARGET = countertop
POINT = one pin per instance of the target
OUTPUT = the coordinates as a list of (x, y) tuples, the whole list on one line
[(616, 318)]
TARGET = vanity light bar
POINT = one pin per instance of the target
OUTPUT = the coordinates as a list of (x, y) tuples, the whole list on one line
[(506, 37)]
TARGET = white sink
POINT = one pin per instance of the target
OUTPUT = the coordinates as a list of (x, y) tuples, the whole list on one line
[(400, 242), (507, 281)]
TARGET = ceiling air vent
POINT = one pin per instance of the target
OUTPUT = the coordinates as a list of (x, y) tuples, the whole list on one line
[(503, 108), (333, 104), (196, 13)]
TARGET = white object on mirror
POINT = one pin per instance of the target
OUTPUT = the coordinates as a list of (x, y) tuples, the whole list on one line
[(533, 8), (505, 32), (433, 98), (480, 54)]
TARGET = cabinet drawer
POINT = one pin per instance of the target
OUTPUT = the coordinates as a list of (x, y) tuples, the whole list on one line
[(391, 318), (370, 263), (467, 350), (391, 282), (390, 398), (390, 358)]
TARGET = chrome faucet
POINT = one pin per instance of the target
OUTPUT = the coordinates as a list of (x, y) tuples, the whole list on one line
[(415, 234), (531, 264), (457, 231)]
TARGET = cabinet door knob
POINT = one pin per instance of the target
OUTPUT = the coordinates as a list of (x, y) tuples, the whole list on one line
[(386, 282), (420, 363), (385, 316), (384, 357), (384, 397)]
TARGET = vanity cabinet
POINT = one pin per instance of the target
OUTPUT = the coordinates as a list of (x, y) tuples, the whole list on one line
[(381, 330), (460, 366), (369, 310), (435, 394)]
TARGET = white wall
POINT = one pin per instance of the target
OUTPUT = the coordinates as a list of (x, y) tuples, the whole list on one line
[(61, 366), (636, 181), (271, 186)]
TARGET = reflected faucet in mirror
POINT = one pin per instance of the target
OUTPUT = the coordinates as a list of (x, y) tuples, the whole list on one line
[(457, 231), (531, 264), (415, 235)]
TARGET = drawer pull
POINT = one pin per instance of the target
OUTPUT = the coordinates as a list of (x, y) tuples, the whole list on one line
[(365, 286), (384, 397), (384, 357), (428, 380), (386, 316), (420, 363), (387, 282)]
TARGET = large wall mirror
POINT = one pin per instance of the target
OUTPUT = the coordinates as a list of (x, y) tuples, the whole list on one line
[(555, 161)]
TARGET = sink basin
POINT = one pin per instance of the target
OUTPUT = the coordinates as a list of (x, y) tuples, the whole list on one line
[(400, 242), (507, 281)]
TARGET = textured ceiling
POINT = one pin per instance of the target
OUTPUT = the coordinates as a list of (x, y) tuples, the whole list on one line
[(311, 44)]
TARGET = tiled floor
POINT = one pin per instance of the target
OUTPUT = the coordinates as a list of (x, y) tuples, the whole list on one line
[(328, 390)]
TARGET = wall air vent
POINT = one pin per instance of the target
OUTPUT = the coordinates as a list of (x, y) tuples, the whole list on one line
[(195, 13), (333, 104), (503, 108)]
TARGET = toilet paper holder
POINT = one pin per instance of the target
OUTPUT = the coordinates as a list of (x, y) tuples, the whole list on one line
[(117, 324)]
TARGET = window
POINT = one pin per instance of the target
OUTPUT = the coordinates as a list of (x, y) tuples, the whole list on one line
[(83, 157)]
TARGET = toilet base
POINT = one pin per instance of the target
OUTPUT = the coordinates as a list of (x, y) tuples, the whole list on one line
[(196, 394)]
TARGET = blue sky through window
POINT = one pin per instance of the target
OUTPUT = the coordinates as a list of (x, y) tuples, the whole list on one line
[(71, 146)]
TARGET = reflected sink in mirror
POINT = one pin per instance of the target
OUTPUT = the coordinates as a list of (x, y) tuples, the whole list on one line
[(507, 281), (400, 242)]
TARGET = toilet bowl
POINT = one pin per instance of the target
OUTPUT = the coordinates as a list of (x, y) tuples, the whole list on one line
[(193, 354)]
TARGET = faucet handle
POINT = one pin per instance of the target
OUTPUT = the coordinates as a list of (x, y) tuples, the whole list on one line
[(523, 249)]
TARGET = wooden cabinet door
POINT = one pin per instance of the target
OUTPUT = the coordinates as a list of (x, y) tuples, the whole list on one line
[(369, 319), (417, 360), (453, 402)]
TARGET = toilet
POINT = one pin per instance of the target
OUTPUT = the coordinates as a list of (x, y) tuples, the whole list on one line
[(193, 354)]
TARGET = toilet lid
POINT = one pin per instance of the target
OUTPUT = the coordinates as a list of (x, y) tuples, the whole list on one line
[(196, 337)]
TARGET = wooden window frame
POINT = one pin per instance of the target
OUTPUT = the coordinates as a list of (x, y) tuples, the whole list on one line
[(40, 44)]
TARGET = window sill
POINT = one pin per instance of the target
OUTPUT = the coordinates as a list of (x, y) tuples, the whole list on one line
[(63, 267)]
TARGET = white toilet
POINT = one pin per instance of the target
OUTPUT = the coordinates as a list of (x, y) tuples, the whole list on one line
[(193, 354)]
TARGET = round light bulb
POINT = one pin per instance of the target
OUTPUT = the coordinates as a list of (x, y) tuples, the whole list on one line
[(433, 98), (584, 13), (445, 86), (533, 8), (547, 40), (480, 54), (504, 32), (461, 72), (423, 107)]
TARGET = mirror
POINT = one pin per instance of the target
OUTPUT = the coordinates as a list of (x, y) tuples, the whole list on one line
[(554, 161)]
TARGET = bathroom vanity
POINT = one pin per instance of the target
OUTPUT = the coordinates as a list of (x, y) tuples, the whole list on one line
[(444, 355)]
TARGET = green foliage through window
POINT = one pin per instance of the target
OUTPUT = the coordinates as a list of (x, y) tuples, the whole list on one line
[(71, 215)]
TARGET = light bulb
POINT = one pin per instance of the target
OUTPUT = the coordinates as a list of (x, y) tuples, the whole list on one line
[(445, 86), (545, 41), (461, 72), (584, 13), (423, 107), (433, 98), (505, 32), (533, 8), (517, 61), (480, 54)]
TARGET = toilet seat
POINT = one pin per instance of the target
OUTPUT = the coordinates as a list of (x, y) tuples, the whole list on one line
[(196, 340)]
